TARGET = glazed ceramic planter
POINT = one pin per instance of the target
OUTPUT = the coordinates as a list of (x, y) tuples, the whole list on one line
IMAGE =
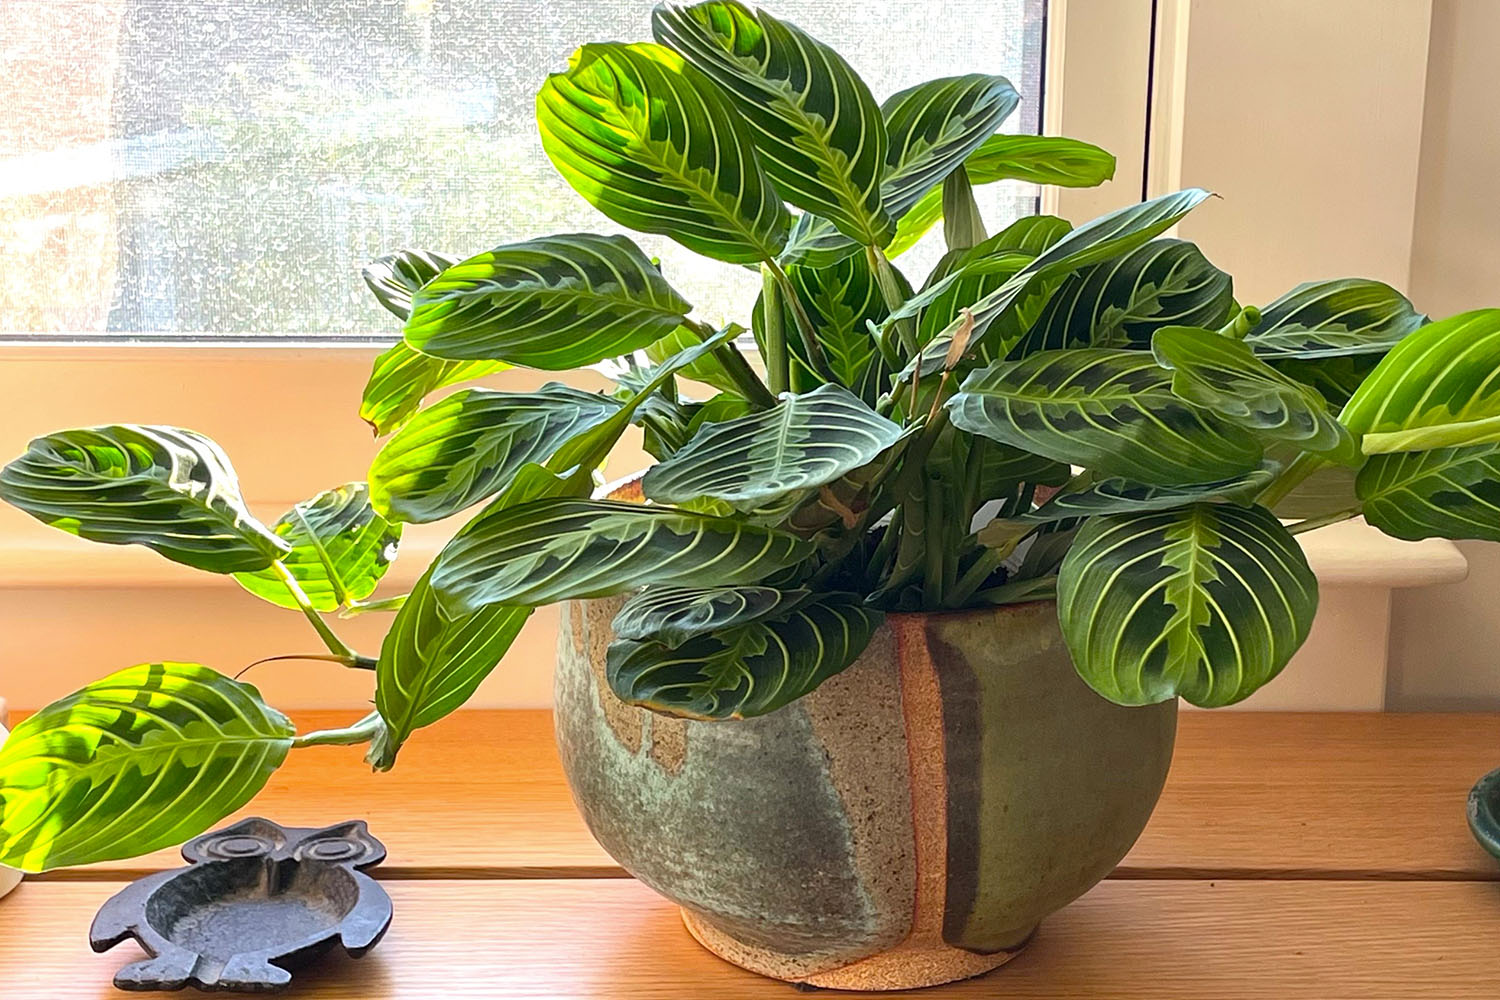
[(910, 822)]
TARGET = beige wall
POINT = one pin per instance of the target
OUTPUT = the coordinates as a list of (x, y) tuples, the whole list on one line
[(1445, 641)]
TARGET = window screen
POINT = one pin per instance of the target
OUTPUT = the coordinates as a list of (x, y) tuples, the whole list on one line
[(212, 170)]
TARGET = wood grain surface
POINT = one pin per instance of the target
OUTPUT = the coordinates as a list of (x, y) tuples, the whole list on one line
[(582, 938), (1334, 796)]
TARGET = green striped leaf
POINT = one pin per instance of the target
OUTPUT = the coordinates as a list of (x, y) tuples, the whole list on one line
[(1324, 319), (1444, 493), (1122, 496), (169, 489), (1108, 236), (1039, 159), (1112, 411), (816, 127), (842, 299), (1334, 378), (1437, 388), (143, 759), (932, 127), (402, 377), (340, 548), (708, 369), (431, 662), (746, 670), (467, 447), (652, 144), (803, 442), (556, 303), (1207, 602), (673, 615), (558, 550), (395, 277), (1122, 302), (1223, 375)]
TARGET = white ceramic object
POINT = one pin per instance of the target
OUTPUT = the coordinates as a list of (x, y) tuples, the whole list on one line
[(9, 877)]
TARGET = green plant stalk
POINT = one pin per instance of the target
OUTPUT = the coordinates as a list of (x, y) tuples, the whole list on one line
[(983, 567), (335, 645), (340, 594), (805, 326), (361, 732), (890, 290), (1290, 478), (778, 362), (1323, 520), (935, 571), (357, 608), (738, 369)]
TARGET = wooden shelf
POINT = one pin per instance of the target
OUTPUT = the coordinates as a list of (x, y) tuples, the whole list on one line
[(1292, 856)]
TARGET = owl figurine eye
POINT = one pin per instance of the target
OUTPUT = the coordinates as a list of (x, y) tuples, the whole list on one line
[(343, 844), (251, 838)]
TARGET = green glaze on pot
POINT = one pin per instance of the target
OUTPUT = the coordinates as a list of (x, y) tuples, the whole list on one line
[(909, 822)]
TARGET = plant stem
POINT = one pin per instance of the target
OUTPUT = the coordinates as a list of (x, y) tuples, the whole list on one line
[(778, 364), (335, 645), (743, 376), (1323, 520), (890, 290), (1291, 477), (989, 560), (1241, 324), (361, 732), (805, 327)]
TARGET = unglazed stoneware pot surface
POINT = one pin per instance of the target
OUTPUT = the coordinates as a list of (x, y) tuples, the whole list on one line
[(910, 822)]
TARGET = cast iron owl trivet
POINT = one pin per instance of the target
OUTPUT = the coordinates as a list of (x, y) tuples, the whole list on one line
[(255, 900)]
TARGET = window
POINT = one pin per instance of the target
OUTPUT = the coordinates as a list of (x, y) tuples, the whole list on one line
[(217, 170)]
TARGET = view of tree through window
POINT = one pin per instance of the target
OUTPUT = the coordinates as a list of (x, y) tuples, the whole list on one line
[(220, 169)]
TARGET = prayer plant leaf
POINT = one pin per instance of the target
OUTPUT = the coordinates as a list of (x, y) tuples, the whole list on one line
[(1121, 496), (803, 442), (745, 670), (1429, 416), (1207, 602), (1224, 376), (1038, 159), (1122, 302), (932, 127), (468, 446), (558, 302), (396, 277), (1111, 411), (561, 549), (142, 759), (1108, 236), (169, 489), (653, 144), (817, 129), (1324, 319), (673, 615), (340, 548)]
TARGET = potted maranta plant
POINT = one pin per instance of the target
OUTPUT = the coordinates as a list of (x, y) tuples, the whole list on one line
[(878, 664)]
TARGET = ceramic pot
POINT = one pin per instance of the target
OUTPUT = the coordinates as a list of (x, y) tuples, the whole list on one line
[(909, 823)]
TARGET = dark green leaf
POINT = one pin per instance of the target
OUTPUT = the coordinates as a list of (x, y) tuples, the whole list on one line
[(1335, 379), (558, 302), (143, 759), (803, 442), (1223, 375), (555, 550), (1111, 411), (1121, 496), (651, 143), (169, 489), (1207, 601), (748, 670), (673, 615), (708, 369), (1444, 493), (340, 548), (1323, 319), (816, 127), (1122, 302), (468, 446)]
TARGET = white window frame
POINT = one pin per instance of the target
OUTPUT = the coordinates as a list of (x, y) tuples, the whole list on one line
[(287, 414)]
